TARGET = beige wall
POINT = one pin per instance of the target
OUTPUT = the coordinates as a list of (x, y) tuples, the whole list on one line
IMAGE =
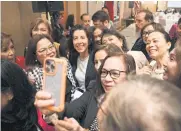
[(149, 5), (94, 6), (162, 5), (15, 20)]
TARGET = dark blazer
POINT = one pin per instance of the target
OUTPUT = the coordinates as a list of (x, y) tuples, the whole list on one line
[(84, 109), (90, 71)]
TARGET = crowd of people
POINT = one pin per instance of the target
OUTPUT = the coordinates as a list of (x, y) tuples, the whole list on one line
[(108, 86)]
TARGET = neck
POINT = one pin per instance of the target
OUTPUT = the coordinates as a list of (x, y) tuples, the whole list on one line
[(84, 55), (162, 60)]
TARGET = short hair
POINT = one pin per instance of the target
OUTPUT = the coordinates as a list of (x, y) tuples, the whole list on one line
[(118, 35), (149, 15), (129, 64), (156, 26), (100, 15), (82, 16), (34, 24), (5, 40), (31, 57), (179, 21), (130, 102)]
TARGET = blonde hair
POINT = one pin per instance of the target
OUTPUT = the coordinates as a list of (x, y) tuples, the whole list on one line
[(34, 24)]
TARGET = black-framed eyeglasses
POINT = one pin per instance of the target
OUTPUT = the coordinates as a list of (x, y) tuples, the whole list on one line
[(147, 32), (114, 74)]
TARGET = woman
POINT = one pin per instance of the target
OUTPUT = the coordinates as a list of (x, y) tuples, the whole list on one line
[(18, 112), (39, 48), (85, 108), (40, 26), (157, 46), (142, 104), (173, 66), (112, 36), (97, 34), (102, 51), (80, 57), (8, 50)]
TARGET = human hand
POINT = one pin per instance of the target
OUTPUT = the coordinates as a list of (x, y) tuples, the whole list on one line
[(43, 100), (145, 70), (68, 124)]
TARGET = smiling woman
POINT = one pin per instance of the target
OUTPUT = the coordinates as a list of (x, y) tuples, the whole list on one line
[(81, 58)]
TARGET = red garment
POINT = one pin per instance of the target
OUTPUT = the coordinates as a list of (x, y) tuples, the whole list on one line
[(43, 124), (173, 31), (20, 60)]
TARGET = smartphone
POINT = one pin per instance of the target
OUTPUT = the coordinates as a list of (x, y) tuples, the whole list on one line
[(54, 81)]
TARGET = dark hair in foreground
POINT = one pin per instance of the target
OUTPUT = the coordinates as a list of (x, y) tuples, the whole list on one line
[(20, 112), (143, 104), (129, 63)]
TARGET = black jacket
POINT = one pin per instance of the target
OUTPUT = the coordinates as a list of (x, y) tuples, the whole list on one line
[(90, 71), (140, 46), (84, 109)]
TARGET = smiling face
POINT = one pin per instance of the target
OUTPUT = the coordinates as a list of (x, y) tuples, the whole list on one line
[(172, 68), (156, 45), (40, 29), (45, 49), (117, 66), (80, 41), (111, 39), (8, 52)]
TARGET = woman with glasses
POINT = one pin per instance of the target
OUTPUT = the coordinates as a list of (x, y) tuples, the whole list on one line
[(39, 48), (83, 110)]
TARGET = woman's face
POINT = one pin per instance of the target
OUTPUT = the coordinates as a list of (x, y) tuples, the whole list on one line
[(97, 36), (8, 52), (99, 57), (80, 41), (111, 39), (45, 49), (172, 71), (156, 45), (146, 33), (113, 72), (41, 29)]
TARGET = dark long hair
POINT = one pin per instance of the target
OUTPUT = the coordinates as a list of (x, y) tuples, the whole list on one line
[(70, 21), (20, 112), (129, 63), (73, 54)]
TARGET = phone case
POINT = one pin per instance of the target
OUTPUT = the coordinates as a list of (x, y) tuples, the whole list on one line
[(54, 81)]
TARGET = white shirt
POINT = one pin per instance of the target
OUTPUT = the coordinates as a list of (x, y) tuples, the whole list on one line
[(81, 71)]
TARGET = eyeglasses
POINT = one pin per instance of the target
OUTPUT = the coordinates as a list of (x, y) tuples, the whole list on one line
[(147, 32), (44, 50), (114, 74)]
